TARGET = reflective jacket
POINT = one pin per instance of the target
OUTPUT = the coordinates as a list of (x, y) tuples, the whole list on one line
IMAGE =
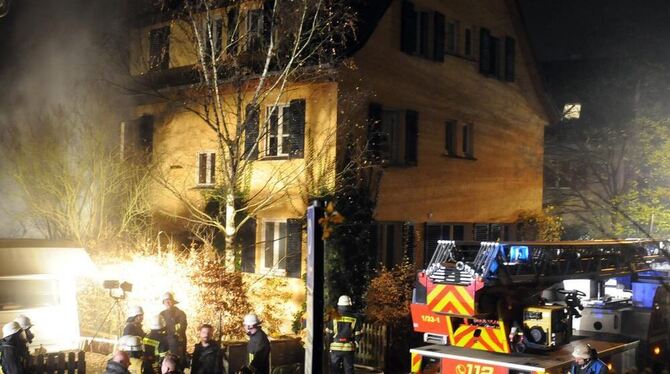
[(175, 329), (593, 367), (155, 348), (346, 332)]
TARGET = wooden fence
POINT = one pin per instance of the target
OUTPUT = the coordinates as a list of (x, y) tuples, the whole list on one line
[(59, 363), (373, 347)]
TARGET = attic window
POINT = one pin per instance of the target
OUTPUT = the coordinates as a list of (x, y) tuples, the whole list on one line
[(572, 111)]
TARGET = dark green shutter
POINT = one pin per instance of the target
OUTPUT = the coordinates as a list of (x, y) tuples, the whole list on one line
[(510, 59), (374, 132), (267, 22), (438, 49), (450, 138), (484, 51), (374, 244), (296, 128), (408, 28), (251, 124), (409, 238), (247, 239), (233, 31), (293, 248), (411, 137)]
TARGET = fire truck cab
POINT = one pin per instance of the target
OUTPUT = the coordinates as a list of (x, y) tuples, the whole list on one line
[(496, 307)]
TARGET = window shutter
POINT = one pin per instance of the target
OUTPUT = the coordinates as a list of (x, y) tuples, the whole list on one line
[(432, 233), (469, 140), (247, 239), (296, 128), (494, 57), (294, 248), (438, 49), (510, 58), (159, 48), (409, 239), (374, 243), (374, 132), (411, 137), (218, 37), (484, 51), (408, 28), (267, 22), (146, 133), (212, 167), (481, 233), (459, 232), (450, 138), (251, 124), (202, 168), (495, 232), (233, 31)]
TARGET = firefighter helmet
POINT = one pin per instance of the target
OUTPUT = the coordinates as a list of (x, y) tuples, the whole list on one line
[(10, 328), (135, 311), (344, 300), (157, 322), (130, 343), (169, 296), (23, 321), (251, 319)]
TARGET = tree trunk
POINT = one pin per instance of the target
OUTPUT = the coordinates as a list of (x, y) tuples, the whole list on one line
[(229, 254)]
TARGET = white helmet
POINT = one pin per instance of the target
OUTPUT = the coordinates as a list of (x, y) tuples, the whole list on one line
[(135, 311), (10, 328), (169, 296), (157, 322), (130, 343), (251, 319), (582, 350), (344, 300), (23, 321)]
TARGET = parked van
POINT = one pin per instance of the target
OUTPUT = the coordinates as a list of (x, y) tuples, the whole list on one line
[(38, 279)]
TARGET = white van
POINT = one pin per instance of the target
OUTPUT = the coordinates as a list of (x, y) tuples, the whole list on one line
[(38, 279)]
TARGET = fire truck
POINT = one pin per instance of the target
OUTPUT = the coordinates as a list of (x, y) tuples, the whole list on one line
[(521, 307)]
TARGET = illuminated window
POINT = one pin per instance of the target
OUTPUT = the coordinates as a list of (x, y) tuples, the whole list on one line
[(572, 111), (274, 248)]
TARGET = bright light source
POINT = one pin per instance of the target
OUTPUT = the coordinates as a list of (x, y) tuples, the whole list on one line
[(657, 350), (609, 366), (572, 110)]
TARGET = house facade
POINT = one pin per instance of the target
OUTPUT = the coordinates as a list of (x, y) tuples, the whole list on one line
[(453, 112)]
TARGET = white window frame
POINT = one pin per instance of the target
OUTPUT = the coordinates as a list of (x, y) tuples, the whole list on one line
[(204, 36), (209, 167), (572, 111), (275, 242), (282, 146)]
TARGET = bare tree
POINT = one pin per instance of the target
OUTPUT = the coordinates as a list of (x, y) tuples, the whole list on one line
[(246, 59)]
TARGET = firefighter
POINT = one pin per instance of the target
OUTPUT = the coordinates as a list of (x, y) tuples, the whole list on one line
[(175, 327), (132, 345), (258, 349), (13, 352), (207, 354), (586, 361), (134, 322), (118, 364), (26, 324), (346, 332), (155, 345)]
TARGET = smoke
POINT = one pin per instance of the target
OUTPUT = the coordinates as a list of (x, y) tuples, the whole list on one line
[(61, 62)]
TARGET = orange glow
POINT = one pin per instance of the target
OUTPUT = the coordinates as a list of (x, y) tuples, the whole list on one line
[(657, 350)]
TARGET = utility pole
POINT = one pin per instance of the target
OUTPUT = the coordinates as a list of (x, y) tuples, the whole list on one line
[(315, 285)]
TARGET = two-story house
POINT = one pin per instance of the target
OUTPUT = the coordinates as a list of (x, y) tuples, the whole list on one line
[(455, 117)]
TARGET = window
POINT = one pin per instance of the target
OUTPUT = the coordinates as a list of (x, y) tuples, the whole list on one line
[(159, 49), (393, 136), (285, 134), (254, 25), (452, 37), (422, 32), (278, 134), (274, 247), (459, 139), (467, 42), (572, 111), (490, 232), (497, 57), (212, 36), (440, 231), (206, 168), (395, 240)]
